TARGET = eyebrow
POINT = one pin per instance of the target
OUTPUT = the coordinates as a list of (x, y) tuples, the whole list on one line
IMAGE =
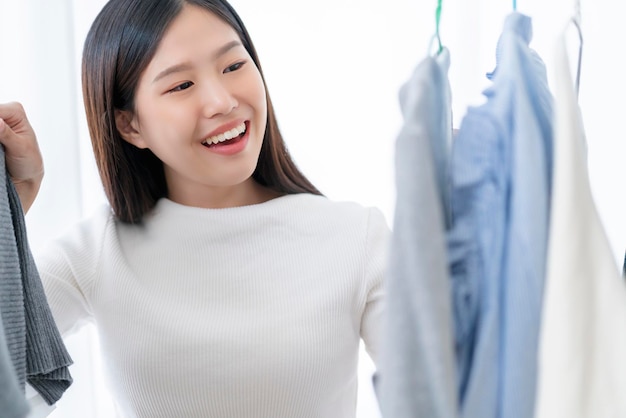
[(185, 66)]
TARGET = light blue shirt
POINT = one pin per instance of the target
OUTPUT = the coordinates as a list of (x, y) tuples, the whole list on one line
[(416, 370), (500, 176)]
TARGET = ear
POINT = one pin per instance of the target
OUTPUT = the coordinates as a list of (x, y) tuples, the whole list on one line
[(126, 124)]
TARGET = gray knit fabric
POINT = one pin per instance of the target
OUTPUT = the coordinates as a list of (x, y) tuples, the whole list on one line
[(12, 402), (13, 333), (33, 340)]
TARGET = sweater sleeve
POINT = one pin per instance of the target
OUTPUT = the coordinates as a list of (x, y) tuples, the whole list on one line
[(68, 267), (376, 251)]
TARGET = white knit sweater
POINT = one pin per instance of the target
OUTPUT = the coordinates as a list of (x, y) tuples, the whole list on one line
[(253, 311)]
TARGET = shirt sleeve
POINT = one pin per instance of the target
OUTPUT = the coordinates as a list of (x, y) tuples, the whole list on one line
[(376, 252), (68, 268)]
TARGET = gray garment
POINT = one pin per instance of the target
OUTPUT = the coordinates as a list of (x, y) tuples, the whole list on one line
[(33, 340), (12, 401), (13, 344), (416, 373)]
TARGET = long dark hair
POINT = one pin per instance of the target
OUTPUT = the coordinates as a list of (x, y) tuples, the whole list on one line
[(119, 46)]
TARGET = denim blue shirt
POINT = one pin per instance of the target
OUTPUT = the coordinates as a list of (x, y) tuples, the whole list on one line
[(501, 167)]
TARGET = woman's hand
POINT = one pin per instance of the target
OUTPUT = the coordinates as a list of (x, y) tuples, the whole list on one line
[(23, 158)]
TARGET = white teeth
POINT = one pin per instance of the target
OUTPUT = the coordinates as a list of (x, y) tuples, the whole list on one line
[(233, 133)]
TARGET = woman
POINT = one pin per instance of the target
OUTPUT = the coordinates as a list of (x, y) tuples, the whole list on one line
[(221, 282)]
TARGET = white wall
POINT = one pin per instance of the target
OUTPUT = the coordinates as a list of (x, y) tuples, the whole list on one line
[(333, 69)]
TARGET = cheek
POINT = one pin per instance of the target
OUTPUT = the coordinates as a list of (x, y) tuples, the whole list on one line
[(257, 96), (159, 116)]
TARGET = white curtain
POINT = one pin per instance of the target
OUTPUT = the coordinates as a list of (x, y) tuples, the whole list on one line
[(333, 69)]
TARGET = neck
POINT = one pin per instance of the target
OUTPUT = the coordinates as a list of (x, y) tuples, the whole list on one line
[(247, 193)]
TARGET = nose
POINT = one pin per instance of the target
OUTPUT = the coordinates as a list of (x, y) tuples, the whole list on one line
[(218, 99)]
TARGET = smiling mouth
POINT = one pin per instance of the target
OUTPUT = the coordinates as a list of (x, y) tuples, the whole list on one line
[(228, 137)]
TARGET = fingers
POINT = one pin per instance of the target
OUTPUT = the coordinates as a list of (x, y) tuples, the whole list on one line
[(16, 146), (16, 134), (14, 117), (22, 156), (7, 136), (12, 112)]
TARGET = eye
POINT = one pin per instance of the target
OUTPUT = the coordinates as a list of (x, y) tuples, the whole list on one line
[(181, 87), (234, 67)]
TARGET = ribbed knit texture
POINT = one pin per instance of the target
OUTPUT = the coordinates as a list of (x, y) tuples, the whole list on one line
[(253, 311), (13, 331), (47, 359), (35, 345)]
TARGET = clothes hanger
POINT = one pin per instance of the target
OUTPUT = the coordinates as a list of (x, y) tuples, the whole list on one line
[(437, 36), (575, 20), (437, 21)]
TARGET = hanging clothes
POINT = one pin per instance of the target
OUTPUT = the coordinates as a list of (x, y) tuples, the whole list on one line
[(500, 172), (12, 402), (34, 344), (416, 376), (582, 362)]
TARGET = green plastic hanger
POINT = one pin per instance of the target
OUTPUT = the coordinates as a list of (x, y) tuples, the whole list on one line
[(437, 21)]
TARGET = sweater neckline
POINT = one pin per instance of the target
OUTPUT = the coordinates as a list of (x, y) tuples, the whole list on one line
[(166, 205)]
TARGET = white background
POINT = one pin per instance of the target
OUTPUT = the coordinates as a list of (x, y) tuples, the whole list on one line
[(333, 68)]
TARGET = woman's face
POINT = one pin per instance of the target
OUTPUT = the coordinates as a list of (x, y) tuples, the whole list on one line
[(200, 107)]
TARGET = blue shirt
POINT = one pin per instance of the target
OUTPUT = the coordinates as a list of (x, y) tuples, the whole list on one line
[(501, 167), (416, 371)]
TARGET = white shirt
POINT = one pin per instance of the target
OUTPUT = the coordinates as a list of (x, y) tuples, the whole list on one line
[(582, 358), (253, 311)]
